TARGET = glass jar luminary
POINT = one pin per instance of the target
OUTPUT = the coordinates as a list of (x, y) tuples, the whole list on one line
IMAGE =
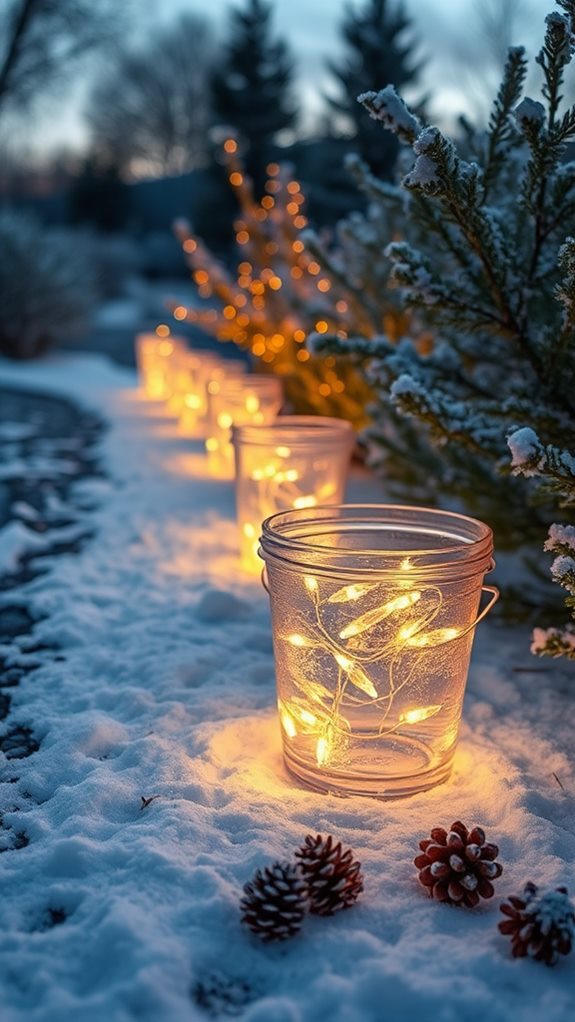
[(373, 609), (189, 401), (296, 461), (154, 357), (237, 401), (213, 382)]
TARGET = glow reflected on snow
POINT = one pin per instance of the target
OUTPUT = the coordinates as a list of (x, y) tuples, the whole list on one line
[(232, 749), (191, 465), (196, 549), (248, 753), (152, 702), (167, 430)]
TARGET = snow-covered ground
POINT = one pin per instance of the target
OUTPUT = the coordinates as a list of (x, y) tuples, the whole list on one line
[(162, 689)]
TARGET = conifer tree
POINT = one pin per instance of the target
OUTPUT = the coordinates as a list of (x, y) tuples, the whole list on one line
[(378, 48), (488, 263), (251, 87)]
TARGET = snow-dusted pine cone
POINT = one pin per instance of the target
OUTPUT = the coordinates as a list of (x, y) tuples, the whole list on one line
[(333, 878), (458, 865), (275, 902), (540, 925)]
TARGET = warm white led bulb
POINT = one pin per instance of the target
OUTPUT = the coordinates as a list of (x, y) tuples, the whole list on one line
[(415, 716), (321, 751), (288, 724), (295, 639), (435, 638), (356, 675), (379, 614)]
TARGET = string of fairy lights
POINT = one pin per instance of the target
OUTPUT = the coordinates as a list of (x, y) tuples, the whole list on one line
[(319, 711)]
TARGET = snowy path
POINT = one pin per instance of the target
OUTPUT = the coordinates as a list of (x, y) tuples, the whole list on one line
[(166, 693)]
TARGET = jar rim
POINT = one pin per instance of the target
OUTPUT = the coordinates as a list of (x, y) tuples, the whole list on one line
[(287, 538), (176, 340), (199, 358), (256, 380), (295, 430)]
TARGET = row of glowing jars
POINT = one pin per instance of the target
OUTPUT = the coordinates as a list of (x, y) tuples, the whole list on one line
[(208, 395), (373, 608), (170, 372), (280, 462)]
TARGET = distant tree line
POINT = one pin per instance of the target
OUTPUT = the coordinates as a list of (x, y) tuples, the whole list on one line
[(42, 40), (160, 102)]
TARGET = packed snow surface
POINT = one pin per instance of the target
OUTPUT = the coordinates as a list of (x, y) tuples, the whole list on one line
[(158, 787)]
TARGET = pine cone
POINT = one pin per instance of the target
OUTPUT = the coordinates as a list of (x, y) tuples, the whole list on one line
[(275, 902), (458, 866), (540, 925), (333, 879)]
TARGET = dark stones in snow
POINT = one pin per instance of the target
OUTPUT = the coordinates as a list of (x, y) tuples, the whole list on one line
[(18, 743), (217, 605), (46, 445), (220, 995)]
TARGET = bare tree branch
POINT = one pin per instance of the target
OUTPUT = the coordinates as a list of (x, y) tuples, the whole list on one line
[(40, 40), (153, 110)]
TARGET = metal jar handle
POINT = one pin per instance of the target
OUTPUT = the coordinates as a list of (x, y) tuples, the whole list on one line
[(264, 577), (495, 594)]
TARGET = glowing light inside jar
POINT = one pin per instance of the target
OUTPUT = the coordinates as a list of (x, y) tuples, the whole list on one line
[(417, 715), (295, 639), (155, 358), (322, 750), (294, 462), (378, 614), (191, 382), (236, 401)]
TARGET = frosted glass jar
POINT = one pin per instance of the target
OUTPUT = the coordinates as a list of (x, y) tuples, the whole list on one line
[(192, 372), (237, 402), (373, 612), (155, 362), (296, 461), (213, 382)]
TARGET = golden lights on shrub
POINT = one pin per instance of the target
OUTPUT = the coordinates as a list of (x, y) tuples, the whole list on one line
[(278, 295)]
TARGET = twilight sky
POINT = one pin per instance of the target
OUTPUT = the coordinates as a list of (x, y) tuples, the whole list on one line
[(450, 31), (459, 72)]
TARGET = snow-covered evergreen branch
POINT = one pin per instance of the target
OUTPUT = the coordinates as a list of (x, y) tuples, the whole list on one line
[(557, 469), (483, 260), (501, 133), (531, 458)]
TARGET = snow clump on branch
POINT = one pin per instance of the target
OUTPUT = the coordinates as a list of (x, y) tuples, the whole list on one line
[(526, 450), (529, 111), (386, 106)]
